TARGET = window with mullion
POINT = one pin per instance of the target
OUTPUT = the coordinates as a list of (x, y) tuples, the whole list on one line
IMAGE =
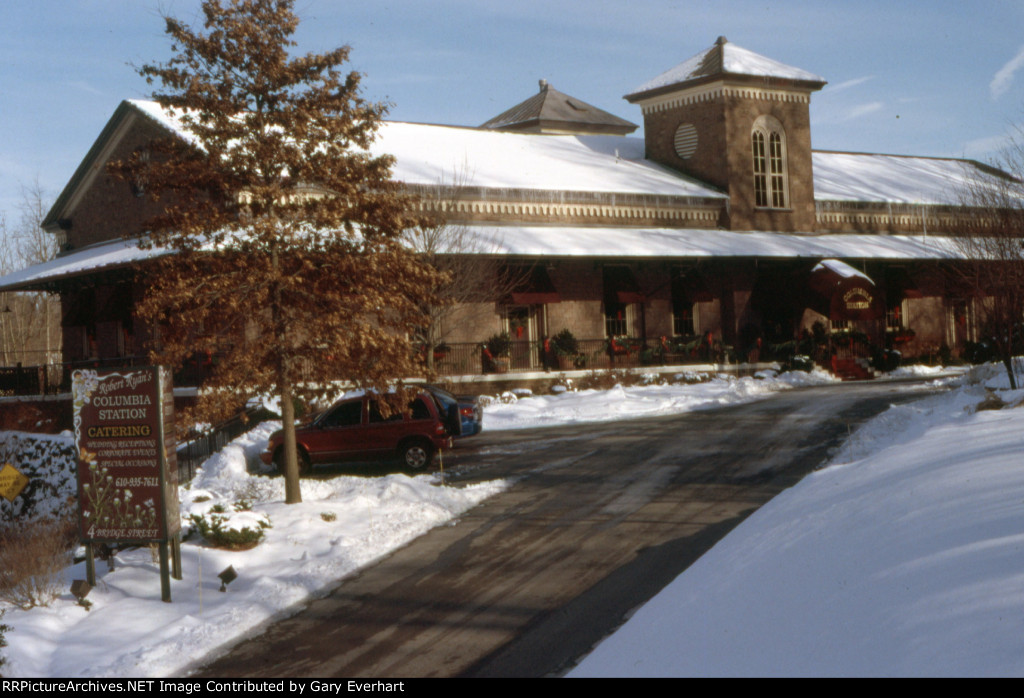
[(775, 162), (768, 145), (760, 170)]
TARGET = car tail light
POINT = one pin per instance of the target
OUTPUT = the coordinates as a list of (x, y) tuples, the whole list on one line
[(466, 411), (439, 429)]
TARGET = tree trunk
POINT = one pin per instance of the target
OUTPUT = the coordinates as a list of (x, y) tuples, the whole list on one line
[(1006, 353), (292, 490)]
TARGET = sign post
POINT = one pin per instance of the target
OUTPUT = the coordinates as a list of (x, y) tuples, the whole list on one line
[(127, 465)]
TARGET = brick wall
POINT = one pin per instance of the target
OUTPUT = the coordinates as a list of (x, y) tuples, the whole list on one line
[(108, 208)]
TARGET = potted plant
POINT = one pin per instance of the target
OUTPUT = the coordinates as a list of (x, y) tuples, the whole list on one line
[(567, 349), (498, 349)]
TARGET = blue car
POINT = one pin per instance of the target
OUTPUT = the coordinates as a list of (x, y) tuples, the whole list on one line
[(470, 414)]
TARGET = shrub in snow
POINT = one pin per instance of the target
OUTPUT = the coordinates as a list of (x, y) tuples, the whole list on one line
[(508, 397), (232, 527), (650, 379), (486, 400), (799, 362), (33, 556), (691, 377), (606, 380), (49, 464)]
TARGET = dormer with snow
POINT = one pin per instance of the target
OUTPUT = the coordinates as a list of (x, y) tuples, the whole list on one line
[(741, 122)]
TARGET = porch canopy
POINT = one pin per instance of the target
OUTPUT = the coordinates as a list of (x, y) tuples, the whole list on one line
[(841, 292)]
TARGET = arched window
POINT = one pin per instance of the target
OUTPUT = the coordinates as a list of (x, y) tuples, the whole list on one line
[(768, 143)]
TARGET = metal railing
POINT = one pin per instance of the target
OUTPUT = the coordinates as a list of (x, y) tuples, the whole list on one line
[(449, 359), (54, 377), (197, 448), (452, 359)]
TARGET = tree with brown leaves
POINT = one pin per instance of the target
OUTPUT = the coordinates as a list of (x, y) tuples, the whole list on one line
[(287, 264)]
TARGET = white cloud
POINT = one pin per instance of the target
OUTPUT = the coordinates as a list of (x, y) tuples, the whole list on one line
[(85, 87), (839, 86), (985, 147), (863, 110), (1004, 76)]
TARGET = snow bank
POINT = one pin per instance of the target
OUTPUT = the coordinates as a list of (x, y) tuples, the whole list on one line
[(573, 407), (902, 558)]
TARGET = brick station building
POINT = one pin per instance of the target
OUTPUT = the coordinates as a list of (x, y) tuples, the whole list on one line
[(717, 234)]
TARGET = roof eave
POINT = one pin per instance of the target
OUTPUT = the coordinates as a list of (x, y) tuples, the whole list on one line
[(769, 81), (104, 142)]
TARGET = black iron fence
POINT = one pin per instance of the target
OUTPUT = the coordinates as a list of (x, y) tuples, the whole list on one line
[(197, 448), (452, 359), (585, 354), (54, 377)]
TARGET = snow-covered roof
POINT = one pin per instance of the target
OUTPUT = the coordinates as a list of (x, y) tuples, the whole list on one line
[(582, 241), (896, 178), (168, 118), (725, 58), (87, 260), (430, 154), (568, 241)]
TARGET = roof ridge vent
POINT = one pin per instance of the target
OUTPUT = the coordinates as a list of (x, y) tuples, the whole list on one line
[(543, 85)]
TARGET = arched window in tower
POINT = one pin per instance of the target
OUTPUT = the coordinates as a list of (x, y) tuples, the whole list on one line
[(768, 144)]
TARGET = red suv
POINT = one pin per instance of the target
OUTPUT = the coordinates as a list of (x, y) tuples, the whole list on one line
[(355, 429)]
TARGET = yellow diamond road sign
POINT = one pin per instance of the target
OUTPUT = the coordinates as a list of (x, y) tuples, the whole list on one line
[(12, 482)]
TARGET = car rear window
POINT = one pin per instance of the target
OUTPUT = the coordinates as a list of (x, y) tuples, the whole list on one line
[(419, 409), (446, 399)]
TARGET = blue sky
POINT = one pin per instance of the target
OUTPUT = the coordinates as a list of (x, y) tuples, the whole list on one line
[(936, 78)]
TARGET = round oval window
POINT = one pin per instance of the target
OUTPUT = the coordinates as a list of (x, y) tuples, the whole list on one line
[(686, 140)]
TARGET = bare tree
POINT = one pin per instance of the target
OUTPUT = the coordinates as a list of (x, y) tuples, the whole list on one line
[(991, 241), (474, 275), (29, 322)]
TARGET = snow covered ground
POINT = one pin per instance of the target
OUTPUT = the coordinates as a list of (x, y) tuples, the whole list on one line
[(962, 581), (342, 524), (903, 557), (665, 394)]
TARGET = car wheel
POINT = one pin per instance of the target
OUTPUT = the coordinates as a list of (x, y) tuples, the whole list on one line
[(416, 455), (303, 458)]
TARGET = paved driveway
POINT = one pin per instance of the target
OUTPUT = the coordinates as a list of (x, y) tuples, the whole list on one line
[(600, 518)]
